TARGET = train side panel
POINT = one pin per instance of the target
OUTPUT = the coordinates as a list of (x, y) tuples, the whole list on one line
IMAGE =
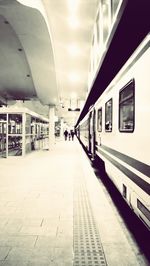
[(126, 154), (121, 131)]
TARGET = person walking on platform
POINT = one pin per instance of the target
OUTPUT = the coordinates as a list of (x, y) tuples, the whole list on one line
[(72, 134), (69, 135), (66, 134)]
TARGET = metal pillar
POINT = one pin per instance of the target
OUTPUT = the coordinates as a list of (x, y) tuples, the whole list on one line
[(51, 126), (61, 128)]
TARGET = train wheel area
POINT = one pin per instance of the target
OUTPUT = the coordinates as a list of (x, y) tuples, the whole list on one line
[(60, 213), (135, 227)]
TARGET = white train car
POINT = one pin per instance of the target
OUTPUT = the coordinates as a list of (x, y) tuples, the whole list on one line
[(117, 129)]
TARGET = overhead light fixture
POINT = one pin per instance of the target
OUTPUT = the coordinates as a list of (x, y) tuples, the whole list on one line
[(73, 22), (73, 49), (73, 5), (73, 77), (74, 110)]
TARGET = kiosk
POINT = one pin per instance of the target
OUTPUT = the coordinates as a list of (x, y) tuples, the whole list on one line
[(22, 131)]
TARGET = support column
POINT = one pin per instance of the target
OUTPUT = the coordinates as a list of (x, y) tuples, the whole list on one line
[(51, 126), (61, 128), (23, 133)]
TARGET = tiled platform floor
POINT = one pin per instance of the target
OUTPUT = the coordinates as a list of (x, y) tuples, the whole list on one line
[(41, 198)]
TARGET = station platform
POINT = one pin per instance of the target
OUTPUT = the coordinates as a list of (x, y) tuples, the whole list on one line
[(54, 212)]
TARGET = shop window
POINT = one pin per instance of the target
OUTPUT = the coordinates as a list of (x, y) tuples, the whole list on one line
[(127, 108), (15, 124), (108, 116), (3, 131), (3, 120), (14, 145)]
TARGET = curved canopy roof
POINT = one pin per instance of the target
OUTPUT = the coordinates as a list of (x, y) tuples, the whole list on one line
[(27, 62), (36, 42)]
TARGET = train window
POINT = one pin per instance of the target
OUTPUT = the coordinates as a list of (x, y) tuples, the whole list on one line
[(15, 124), (124, 191), (143, 209), (126, 108), (108, 116), (97, 27), (99, 120)]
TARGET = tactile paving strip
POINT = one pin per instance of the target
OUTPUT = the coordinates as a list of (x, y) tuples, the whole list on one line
[(88, 250)]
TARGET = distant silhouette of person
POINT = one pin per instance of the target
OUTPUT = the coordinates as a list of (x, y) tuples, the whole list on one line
[(69, 135), (72, 134), (66, 134)]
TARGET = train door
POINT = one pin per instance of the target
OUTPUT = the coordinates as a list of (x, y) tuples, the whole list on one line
[(92, 133), (77, 132)]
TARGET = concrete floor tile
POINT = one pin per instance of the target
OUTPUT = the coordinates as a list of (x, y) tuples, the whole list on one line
[(56, 262), (111, 236), (28, 230), (51, 222), (11, 229), (43, 252), (32, 221), (20, 254), (4, 252), (63, 253), (45, 241), (14, 263), (3, 239), (39, 261), (3, 221), (21, 241), (63, 241), (37, 214), (120, 254)]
